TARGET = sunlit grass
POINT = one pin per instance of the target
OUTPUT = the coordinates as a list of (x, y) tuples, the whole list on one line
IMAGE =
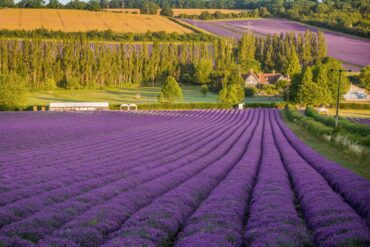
[(357, 113), (126, 95)]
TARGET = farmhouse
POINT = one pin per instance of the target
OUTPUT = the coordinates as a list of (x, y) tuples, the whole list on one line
[(254, 79)]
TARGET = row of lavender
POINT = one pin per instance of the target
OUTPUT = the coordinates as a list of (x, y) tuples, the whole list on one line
[(365, 121), (196, 178), (354, 52)]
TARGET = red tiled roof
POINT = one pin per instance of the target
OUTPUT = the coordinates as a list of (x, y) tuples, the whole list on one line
[(268, 78)]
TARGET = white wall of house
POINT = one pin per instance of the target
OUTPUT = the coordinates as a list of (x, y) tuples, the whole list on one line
[(251, 81)]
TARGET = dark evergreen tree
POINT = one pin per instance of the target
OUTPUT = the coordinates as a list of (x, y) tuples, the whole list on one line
[(166, 11)]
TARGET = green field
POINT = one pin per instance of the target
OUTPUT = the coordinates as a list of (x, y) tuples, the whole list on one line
[(126, 95)]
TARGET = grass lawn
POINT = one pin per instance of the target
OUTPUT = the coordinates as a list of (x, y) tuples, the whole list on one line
[(126, 95), (359, 166)]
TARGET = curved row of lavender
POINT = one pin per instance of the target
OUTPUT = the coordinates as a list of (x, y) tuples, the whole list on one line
[(349, 49), (172, 178), (365, 121)]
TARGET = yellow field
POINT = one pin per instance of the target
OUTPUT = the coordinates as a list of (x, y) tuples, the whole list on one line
[(177, 12), (82, 20)]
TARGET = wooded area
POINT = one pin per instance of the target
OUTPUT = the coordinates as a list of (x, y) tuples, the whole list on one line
[(75, 63)]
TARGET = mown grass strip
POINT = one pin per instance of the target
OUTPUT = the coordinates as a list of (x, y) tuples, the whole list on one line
[(336, 154)]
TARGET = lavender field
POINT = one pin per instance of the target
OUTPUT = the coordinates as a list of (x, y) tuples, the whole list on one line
[(172, 178), (349, 49)]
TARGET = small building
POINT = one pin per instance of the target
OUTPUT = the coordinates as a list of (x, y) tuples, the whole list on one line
[(357, 94), (79, 106), (255, 79)]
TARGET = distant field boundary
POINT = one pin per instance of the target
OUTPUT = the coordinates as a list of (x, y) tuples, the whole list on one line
[(191, 27), (177, 12)]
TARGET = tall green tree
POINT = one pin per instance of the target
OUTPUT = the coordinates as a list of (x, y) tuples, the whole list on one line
[(76, 4), (322, 48), (293, 65), (233, 89), (365, 77), (333, 77), (203, 70), (104, 4), (54, 4), (246, 53), (166, 11), (171, 91), (306, 49), (306, 86), (269, 56), (93, 5), (149, 8)]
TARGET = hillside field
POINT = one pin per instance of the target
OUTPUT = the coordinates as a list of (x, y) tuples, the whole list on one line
[(83, 20), (354, 52)]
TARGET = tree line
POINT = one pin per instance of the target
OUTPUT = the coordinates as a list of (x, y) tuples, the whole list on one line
[(77, 64), (40, 60), (107, 35)]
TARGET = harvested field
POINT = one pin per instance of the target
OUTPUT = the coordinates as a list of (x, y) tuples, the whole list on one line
[(83, 20), (188, 178)]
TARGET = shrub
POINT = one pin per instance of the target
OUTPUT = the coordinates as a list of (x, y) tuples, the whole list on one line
[(13, 92), (264, 105), (204, 89), (250, 91), (232, 94), (186, 78), (269, 89), (358, 106), (292, 114), (171, 91)]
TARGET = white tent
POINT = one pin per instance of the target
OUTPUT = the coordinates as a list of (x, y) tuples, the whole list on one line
[(79, 106)]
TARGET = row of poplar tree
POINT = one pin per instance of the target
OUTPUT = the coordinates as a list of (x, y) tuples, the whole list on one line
[(78, 63)]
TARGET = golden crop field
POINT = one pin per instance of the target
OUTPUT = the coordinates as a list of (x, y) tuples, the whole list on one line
[(83, 20), (177, 12)]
